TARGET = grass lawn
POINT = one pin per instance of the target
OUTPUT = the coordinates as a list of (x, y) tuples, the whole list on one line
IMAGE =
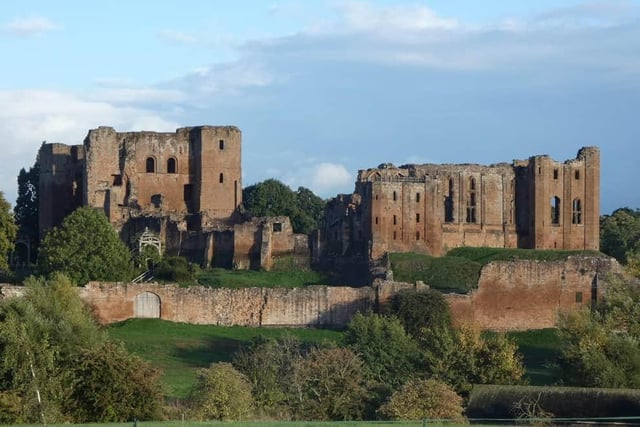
[(180, 349), (541, 349), (219, 277)]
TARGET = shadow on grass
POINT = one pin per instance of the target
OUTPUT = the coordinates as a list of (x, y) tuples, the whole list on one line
[(211, 351)]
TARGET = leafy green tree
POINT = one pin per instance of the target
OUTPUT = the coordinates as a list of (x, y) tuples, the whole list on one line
[(40, 334), (273, 198), (85, 247), (268, 364), (422, 309), (601, 346), (419, 399), (330, 385), (110, 385), (8, 231), (620, 233), (221, 393), (175, 269), (26, 209), (390, 355)]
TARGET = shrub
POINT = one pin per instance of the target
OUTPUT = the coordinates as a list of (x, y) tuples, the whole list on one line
[(221, 393), (175, 269), (419, 399)]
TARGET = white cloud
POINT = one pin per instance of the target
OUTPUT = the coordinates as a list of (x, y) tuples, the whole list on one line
[(27, 27), (326, 178)]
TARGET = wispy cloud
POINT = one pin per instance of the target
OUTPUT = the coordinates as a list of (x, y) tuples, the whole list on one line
[(28, 27)]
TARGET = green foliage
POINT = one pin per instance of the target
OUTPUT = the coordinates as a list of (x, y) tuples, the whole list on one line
[(420, 399), (26, 209), (601, 347), (421, 309), (448, 273), (40, 334), (484, 255), (498, 401), (330, 385), (268, 364), (175, 269), (221, 393), (110, 385), (388, 352), (273, 198), (620, 233), (219, 278), (85, 247), (541, 350), (8, 232), (180, 349)]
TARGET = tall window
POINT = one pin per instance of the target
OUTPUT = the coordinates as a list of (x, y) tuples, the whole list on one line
[(394, 220), (576, 212), (221, 144), (417, 197), (151, 165), (395, 196), (171, 165), (555, 210), (448, 203), (221, 177), (471, 201)]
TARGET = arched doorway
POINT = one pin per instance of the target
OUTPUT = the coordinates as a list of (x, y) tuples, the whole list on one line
[(147, 305)]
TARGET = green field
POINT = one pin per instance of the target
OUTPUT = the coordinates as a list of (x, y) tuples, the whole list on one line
[(180, 349)]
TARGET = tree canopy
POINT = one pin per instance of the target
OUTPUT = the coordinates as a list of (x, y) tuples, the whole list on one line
[(620, 233), (85, 247), (273, 198), (8, 232), (26, 209)]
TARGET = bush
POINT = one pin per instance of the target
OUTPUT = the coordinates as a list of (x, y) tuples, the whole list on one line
[(498, 401), (420, 399), (421, 309), (221, 393), (175, 269)]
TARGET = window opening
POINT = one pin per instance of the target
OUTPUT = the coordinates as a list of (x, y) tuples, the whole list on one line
[(151, 165), (448, 203), (555, 174), (417, 217), (221, 144), (577, 174), (376, 220), (394, 220), (555, 210), (171, 165), (417, 235), (395, 196), (577, 212), (277, 227), (471, 201), (221, 177), (417, 197)]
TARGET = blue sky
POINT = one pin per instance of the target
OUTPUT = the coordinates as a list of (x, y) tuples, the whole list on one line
[(321, 89)]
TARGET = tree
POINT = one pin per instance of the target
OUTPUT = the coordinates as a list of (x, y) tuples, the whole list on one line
[(8, 231), (620, 233), (40, 334), (85, 247), (110, 385), (422, 309), (420, 399), (390, 355), (330, 385), (273, 198), (221, 393), (26, 209)]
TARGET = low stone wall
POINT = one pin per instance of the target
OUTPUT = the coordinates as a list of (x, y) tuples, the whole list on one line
[(511, 295)]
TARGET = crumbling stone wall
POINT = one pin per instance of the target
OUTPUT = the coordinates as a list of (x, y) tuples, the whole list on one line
[(536, 203)]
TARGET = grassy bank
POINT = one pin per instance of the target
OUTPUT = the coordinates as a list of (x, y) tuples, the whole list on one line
[(541, 349), (219, 278), (180, 349)]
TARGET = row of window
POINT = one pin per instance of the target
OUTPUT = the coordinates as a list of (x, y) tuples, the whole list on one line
[(576, 211), (172, 166)]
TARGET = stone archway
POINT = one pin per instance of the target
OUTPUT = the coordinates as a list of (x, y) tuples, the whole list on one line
[(147, 305)]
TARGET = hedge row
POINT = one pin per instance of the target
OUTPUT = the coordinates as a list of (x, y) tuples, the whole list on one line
[(499, 401)]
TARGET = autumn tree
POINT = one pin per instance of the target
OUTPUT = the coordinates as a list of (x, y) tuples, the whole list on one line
[(85, 247), (420, 399)]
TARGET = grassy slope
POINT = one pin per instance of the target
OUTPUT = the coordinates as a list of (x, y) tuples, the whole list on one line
[(218, 277), (541, 349), (180, 349)]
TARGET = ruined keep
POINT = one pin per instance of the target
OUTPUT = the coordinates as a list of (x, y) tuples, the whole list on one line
[(536, 204), (185, 186)]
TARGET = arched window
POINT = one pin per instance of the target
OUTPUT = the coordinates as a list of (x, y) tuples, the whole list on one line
[(555, 210), (151, 165), (471, 201), (448, 203), (576, 212), (172, 165), (221, 177)]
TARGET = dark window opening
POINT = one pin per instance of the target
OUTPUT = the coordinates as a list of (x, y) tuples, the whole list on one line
[(376, 220), (417, 217), (417, 197), (539, 170), (151, 165), (578, 296), (117, 180), (395, 196), (277, 227), (156, 200), (394, 220), (376, 197), (555, 174), (221, 177), (555, 210), (171, 165), (471, 202), (221, 144), (576, 212), (577, 174), (448, 203), (417, 235)]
